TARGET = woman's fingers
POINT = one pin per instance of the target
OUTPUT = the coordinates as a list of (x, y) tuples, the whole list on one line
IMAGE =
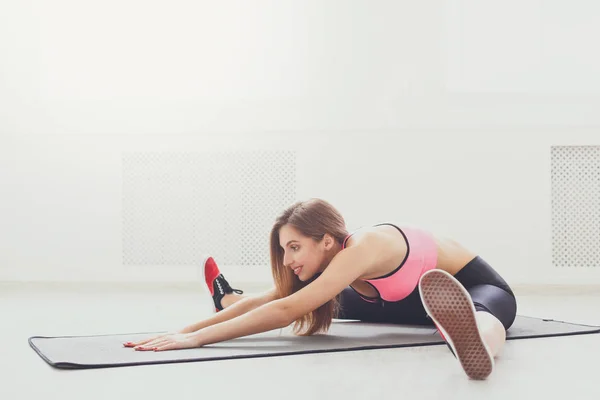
[(168, 342), (144, 348), (168, 346), (153, 344), (141, 342)]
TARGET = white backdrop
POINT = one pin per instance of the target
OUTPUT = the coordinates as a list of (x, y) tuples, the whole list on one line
[(365, 94)]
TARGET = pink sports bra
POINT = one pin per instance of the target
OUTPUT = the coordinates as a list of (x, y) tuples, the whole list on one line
[(421, 256)]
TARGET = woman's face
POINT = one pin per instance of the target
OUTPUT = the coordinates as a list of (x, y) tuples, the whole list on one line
[(303, 255)]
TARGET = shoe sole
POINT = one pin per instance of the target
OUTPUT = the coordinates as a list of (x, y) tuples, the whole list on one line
[(212, 309), (451, 308)]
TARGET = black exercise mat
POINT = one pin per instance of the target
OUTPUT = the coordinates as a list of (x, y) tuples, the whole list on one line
[(103, 351)]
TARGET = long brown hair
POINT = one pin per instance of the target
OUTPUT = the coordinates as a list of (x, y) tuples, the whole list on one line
[(313, 218)]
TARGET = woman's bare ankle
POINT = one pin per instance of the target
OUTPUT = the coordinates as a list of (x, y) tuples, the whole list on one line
[(229, 299), (492, 331)]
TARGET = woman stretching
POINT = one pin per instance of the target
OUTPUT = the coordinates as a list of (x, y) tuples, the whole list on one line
[(384, 273)]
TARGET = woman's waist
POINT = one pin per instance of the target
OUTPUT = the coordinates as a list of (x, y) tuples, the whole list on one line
[(452, 256)]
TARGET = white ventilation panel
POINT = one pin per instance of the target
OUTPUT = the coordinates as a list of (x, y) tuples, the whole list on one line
[(576, 206), (178, 206)]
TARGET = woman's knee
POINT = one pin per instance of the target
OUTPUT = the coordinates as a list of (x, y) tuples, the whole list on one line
[(496, 301)]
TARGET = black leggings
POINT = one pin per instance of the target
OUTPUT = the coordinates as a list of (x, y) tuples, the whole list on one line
[(488, 290)]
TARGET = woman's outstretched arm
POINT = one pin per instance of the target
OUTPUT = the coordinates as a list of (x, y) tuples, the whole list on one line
[(238, 308), (235, 310), (347, 266)]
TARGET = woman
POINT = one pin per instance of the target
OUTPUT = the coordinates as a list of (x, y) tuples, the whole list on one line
[(384, 273)]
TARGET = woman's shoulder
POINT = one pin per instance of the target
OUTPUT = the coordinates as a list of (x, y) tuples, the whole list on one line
[(373, 234), (383, 245)]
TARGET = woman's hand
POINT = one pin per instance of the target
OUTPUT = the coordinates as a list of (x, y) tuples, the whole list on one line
[(171, 341), (145, 341)]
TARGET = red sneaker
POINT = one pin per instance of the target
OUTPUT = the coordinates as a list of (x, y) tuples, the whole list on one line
[(216, 283), (451, 308)]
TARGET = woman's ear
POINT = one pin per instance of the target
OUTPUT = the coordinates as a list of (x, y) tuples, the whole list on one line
[(328, 241)]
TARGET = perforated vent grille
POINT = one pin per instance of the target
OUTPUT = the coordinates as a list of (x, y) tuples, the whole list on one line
[(576, 206), (179, 206)]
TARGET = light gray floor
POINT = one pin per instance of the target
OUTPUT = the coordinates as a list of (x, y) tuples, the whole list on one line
[(562, 368)]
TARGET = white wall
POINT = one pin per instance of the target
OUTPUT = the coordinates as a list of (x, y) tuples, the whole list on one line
[(366, 92)]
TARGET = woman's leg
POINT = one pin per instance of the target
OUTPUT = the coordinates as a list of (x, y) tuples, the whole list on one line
[(472, 320), (493, 299), (492, 331), (496, 312)]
